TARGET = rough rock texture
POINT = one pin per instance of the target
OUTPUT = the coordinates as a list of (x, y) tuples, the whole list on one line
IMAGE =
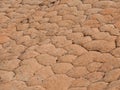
[(59, 44)]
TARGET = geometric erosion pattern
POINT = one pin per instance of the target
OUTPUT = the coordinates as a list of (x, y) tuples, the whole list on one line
[(59, 44)]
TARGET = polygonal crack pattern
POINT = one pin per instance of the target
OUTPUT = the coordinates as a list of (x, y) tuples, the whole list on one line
[(59, 44)]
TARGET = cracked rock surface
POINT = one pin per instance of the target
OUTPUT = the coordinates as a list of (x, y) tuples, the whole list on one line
[(59, 44)]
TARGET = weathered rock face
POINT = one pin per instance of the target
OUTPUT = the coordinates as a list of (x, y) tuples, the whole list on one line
[(37, 2), (59, 82), (59, 44), (32, 2)]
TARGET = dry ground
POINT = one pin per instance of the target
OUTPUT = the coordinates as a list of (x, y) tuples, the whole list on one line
[(59, 44)]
